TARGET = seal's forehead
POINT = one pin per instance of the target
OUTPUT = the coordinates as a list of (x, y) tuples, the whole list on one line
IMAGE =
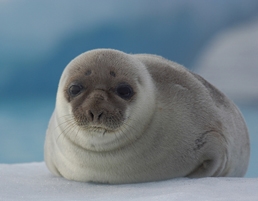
[(105, 60)]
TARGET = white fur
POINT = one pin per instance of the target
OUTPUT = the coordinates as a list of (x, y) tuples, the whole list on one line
[(174, 129)]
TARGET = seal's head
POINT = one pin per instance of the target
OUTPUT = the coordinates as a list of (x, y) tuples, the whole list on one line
[(98, 96)]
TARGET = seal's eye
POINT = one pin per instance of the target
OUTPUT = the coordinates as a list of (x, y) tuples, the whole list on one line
[(75, 90), (125, 91)]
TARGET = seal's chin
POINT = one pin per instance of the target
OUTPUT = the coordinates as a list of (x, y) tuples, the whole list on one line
[(99, 138)]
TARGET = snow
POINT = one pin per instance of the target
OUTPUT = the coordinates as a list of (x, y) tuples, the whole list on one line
[(32, 181)]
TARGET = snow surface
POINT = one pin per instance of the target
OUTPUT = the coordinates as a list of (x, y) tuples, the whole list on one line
[(32, 181)]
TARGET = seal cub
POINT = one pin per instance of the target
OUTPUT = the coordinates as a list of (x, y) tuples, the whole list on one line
[(124, 118)]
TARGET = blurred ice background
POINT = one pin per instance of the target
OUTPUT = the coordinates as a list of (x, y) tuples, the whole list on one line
[(217, 39)]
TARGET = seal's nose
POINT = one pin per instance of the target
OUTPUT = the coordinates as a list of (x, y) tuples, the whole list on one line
[(96, 106), (95, 115)]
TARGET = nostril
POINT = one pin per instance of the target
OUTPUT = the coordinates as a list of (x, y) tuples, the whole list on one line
[(100, 115), (91, 115)]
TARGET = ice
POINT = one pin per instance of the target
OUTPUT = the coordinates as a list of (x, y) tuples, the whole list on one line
[(33, 181)]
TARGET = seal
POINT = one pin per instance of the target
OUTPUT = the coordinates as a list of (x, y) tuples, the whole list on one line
[(124, 118)]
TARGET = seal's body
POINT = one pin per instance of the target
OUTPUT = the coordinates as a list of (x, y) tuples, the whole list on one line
[(123, 118)]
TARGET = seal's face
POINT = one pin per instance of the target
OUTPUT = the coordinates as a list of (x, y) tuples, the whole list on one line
[(99, 97)]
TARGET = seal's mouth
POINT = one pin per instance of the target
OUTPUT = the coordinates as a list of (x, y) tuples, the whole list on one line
[(96, 128), (103, 127), (99, 129)]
